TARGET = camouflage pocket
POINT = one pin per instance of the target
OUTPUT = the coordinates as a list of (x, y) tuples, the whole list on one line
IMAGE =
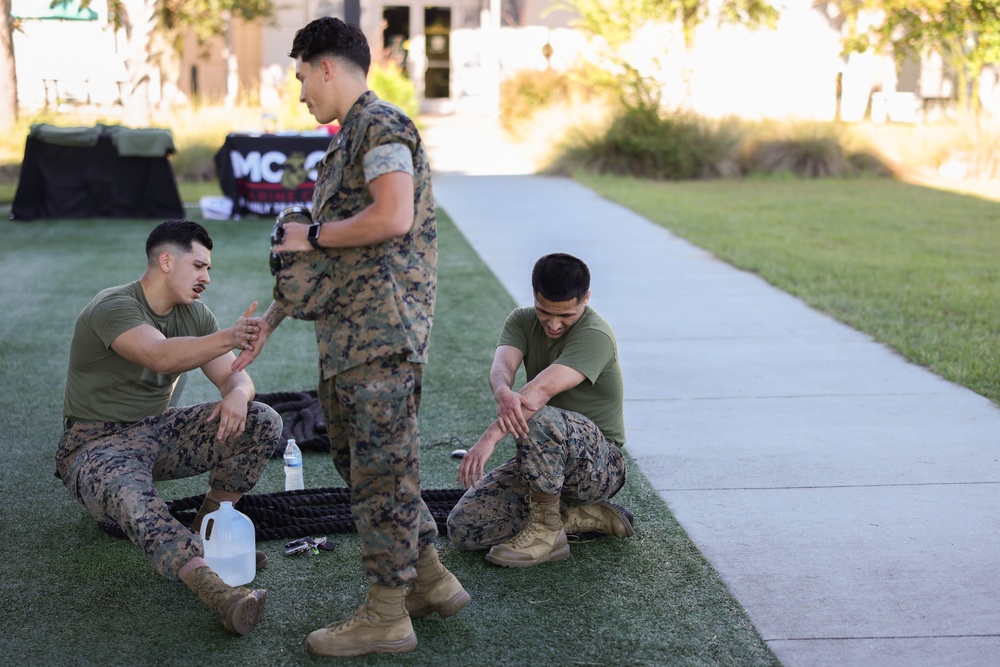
[(302, 282)]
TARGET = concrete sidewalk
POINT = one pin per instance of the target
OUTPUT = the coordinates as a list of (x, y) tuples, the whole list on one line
[(848, 498)]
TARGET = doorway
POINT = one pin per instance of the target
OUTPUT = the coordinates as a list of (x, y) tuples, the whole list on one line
[(437, 33), (396, 36)]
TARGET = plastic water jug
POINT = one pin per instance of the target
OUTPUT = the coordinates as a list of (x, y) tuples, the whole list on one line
[(230, 545)]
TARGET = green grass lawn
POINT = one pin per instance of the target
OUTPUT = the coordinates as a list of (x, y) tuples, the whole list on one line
[(193, 191), (914, 267), (7, 191), (73, 595)]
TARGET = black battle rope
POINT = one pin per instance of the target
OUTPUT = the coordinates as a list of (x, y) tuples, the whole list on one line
[(307, 512), (302, 419)]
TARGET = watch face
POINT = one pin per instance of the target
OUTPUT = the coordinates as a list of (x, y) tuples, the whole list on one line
[(277, 234), (313, 236)]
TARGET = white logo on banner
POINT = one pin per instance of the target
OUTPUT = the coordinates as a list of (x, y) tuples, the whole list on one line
[(256, 166)]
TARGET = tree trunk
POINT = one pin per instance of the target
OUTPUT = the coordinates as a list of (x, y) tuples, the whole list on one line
[(232, 65), (8, 71), (139, 23)]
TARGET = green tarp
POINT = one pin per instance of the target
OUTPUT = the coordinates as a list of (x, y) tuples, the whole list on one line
[(128, 142)]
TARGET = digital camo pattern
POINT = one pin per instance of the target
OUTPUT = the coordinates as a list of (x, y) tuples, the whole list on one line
[(371, 415), (302, 277), (302, 284), (111, 468), (564, 453), (386, 159), (381, 297)]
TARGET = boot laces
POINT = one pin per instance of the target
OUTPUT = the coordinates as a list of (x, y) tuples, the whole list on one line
[(588, 523), (525, 537), (352, 620), (528, 534)]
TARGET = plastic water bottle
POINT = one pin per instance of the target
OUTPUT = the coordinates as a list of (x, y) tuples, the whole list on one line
[(230, 545), (293, 467)]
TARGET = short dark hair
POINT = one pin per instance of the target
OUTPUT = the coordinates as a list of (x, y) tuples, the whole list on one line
[(560, 277), (329, 36), (178, 233)]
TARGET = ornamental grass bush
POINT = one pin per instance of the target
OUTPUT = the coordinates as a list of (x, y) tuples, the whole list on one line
[(811, 150), (638, 142), (644, 142)]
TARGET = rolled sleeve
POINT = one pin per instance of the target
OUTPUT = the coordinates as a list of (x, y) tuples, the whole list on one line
[(386, 159)]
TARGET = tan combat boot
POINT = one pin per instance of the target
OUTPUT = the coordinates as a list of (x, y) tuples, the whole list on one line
[(542, 540), (602, 517), (435, 589), (240, 608), (209, 506), (380, 625)]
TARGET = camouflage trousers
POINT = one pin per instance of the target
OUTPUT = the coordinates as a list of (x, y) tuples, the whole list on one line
[(112, 467), (565, 453), (371, 416)]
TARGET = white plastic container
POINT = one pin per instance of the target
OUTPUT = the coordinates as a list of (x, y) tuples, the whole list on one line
[(230, 545), (216, 208)]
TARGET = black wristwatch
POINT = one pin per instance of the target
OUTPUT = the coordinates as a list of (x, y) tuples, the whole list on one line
[(313, 235)]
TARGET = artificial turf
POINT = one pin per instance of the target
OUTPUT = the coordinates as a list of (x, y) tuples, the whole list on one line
[(74, 595)]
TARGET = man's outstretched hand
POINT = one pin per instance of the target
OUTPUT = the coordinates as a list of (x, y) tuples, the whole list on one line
[(510, 418), (253, 348), (473, 465), (231, 412), (246, 329)]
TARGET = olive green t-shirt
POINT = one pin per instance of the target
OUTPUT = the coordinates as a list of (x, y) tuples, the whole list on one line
[(588, 347), (101, 385)]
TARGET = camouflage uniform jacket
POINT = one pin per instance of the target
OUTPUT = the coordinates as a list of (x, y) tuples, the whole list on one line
[(382, 296)]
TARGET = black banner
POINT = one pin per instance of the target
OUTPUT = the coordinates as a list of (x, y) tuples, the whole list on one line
[(266, 173)]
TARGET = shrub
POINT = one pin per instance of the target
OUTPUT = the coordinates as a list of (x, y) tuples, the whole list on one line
[(721, 145), (811, 150), (391, 84), (868, 162), (641, 142), (813, 158)]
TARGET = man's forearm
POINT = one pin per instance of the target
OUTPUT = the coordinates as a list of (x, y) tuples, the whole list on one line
[(273, 317), (239, 381), (500, 378), (492, 435), (186, 353)]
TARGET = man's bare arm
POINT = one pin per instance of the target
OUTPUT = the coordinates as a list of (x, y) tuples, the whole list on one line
[(146, 346), (268, 323)]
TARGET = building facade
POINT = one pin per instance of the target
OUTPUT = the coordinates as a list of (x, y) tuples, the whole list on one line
[(457, 52)]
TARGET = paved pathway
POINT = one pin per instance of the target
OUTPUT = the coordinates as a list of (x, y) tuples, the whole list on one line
[(848, 498)]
